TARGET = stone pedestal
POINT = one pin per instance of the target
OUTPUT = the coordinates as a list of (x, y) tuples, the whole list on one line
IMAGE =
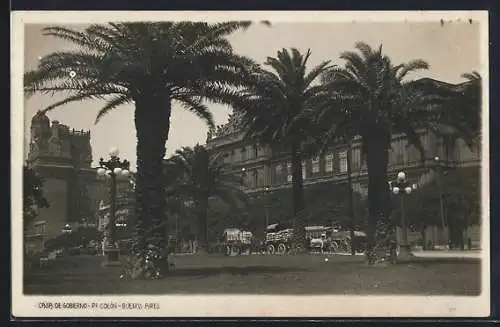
[(112, 258), (405, 252)]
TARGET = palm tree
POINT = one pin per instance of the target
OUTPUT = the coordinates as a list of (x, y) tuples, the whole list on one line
[(205, 176), (371, 97), (151, 65), (275, 109), (469, 97), (464, 98)]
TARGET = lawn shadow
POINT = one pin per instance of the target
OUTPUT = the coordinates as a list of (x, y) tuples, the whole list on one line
[(236, 271), (441, 261)]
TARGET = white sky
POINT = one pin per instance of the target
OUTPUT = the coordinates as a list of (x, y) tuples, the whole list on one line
[(451, 49)]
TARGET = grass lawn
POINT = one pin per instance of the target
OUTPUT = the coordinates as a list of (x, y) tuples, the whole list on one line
[(294, 275)]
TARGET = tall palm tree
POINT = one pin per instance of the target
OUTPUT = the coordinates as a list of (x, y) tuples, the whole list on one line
[(465, 99), (150, 65), (469, 97), (370, 96), (275, 108), (205, 176)]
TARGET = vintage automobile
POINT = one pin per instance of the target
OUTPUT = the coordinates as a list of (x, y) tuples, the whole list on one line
[(317, 238), (237, 241), (342, 241), (279, 238)]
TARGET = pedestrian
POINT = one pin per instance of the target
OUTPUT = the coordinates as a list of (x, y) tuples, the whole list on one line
[(104, 241), (195, 247), (393, 245)]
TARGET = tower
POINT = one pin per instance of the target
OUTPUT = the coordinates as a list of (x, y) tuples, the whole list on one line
[(62, 158)]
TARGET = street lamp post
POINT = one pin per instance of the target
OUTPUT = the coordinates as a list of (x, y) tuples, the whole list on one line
[(441, 200), (67, 230), (113, 169), (266, 194), (243, 175), (402, 187)]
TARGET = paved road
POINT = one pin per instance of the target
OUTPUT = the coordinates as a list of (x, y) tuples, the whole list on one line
[(448, 254)]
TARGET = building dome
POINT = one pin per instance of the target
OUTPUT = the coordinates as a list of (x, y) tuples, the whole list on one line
[(40, 118)]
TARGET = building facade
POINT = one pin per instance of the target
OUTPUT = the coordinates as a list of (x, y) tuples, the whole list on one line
[(62, 157), (264, 170), (262, 167)]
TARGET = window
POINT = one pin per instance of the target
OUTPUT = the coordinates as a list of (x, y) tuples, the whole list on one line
[(413, 154), (289, 172), (329, 162), (256, 150), (261, 177), (279, 169), (40, 227), (356, 158), (304, 170), (315, 164), (250, 152), (262, 150), (255, 178), (343, 161), (243, 154), (400, 152)]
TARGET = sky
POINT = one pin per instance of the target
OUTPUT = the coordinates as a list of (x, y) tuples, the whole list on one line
[(450, 50)]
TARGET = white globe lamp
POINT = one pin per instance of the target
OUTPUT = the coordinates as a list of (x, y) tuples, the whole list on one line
[(117, 171), (401, 176), (114, 152), (395, 190), (125, 173), (408, 190), (101, 172)]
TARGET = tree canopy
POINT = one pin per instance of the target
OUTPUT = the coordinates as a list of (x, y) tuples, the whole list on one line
[(201, 176), (33, 197)]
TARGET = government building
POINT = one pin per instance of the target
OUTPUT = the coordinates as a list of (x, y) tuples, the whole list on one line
[(265, 171)]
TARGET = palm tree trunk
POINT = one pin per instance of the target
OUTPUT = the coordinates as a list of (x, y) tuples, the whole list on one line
[(350, 199), (202, 224), (152, 122), (378, 189), (298, 195), (424, 238)]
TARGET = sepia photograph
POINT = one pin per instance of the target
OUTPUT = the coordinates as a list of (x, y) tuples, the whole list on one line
[(273, 163)]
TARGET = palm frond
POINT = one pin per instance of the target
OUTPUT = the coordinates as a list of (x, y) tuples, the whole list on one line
[(474, 76), (112, 104), (414, 65), (365, 49)]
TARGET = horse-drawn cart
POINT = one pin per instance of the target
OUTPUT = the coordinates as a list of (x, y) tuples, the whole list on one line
[(237, 241)]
